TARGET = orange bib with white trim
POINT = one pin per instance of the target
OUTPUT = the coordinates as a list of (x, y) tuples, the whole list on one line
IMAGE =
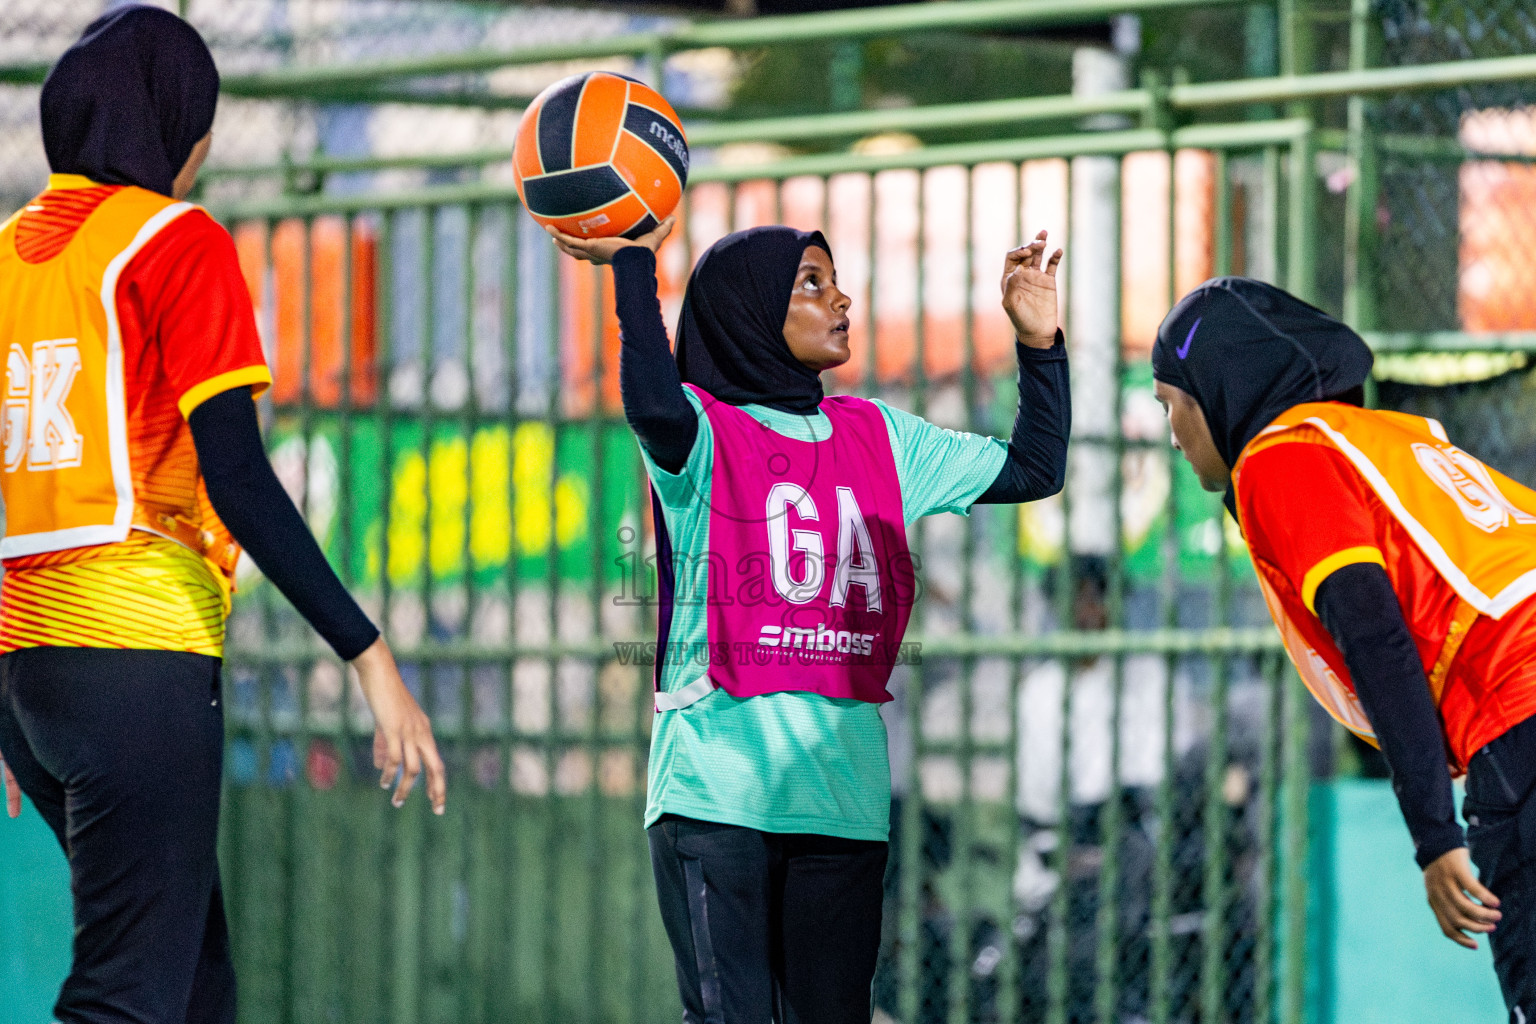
[(1474, 525), (67, 480)]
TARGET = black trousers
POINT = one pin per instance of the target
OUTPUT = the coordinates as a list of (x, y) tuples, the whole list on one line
[(769, 927), (122, 752), (1500, 810)]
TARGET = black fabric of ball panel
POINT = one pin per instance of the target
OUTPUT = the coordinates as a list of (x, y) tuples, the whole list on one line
[(557, 120), (662, 134), (642, 226), (568, 193)]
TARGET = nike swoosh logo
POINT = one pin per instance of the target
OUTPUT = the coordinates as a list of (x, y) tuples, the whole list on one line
[(1183, 350)]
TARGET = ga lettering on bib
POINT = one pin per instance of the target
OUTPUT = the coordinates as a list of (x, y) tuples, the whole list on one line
[(811, 583)]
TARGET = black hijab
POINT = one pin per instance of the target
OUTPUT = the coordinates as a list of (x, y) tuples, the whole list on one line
[(126, 104), (730, 337), (1248, 351)]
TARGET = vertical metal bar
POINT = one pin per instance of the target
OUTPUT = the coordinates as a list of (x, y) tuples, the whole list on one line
[(1301, 233), (1160, 984), (594, 845), (868, 385), (459, 824), (345, 511), (912, 860), (409, 902), (1056, 923), (1214, 983), (345, 530), (1008, 985), (268, 676), (1272, 669), (1271, 187), (386, 406), (1294, 815), (967, 914), (299, 937), (1107, 991), (430, 222), (502, 1006), (552, 947), (1222, 256), (399, 1008), (1360, 239)]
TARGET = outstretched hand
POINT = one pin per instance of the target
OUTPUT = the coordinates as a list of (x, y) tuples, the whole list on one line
[(1460, 902), (601, 250), (1029, 292), (12, 791)]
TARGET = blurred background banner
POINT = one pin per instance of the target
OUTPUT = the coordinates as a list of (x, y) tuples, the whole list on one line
[(1113, 801)]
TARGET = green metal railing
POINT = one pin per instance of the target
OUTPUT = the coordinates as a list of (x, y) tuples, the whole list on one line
[(518, 616), (1102, 765)]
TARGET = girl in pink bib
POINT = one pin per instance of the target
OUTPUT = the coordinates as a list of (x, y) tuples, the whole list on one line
[(785, 590)]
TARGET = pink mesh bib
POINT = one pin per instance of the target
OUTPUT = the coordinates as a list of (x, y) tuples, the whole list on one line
[(810, 580)]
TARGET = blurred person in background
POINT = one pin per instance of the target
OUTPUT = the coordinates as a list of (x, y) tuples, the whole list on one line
[(1400, 571), (134, 474)]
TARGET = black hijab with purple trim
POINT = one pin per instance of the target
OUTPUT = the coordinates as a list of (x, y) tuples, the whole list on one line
[(730, 337), (1248, 351), (128, 102)]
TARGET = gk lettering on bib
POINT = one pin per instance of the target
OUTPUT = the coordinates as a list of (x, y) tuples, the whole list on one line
[(810, 580)]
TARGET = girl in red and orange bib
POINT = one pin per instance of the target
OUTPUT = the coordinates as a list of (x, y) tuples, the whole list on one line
[(1400, 571), (133, 475)]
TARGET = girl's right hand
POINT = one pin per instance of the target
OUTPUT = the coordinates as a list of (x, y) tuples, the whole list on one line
[(601, 250)]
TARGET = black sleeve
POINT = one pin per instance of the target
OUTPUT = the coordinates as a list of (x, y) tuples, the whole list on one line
[(654, 403), (261, 517), (1359, 608), (1037, 452)]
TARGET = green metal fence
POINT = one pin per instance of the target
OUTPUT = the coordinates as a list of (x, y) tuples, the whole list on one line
[(1102, 765), (499, 533)]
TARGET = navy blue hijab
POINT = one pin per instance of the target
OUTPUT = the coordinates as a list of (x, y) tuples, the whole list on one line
[(730, 337), (128, 102)]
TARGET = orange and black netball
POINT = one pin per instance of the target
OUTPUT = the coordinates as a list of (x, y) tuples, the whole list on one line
[(600, 155)]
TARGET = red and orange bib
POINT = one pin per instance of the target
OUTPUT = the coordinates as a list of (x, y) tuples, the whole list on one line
[(68, 479), (1473, 525)]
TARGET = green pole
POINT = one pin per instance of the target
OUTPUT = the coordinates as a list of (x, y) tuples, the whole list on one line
[(1301, 233)]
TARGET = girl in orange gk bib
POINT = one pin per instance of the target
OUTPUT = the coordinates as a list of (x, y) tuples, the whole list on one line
[(133, 475), (1400, 571)]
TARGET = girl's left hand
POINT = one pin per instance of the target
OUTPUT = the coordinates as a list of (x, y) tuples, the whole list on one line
[(1029, 292), (601, 250)]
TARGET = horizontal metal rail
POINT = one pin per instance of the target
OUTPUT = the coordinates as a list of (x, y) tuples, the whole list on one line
[(1451, 341), (778, 129), (1374, 81), (1251, 134), (1067, 644), (944, 16), (951, 116)]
